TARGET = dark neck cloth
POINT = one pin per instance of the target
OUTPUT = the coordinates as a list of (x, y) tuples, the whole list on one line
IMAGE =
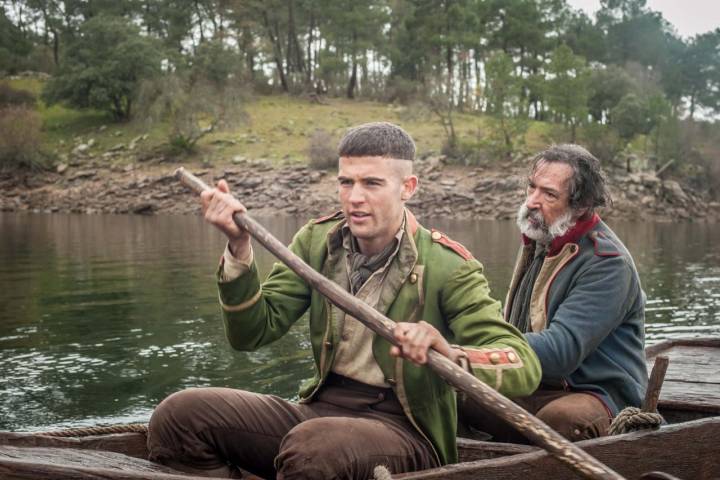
[(520, 308), (363, 266)]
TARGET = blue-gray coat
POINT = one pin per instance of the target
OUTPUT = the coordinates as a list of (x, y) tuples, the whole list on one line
[(587, 315)]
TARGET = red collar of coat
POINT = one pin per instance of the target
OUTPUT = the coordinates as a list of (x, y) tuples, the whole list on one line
[(581, 227)]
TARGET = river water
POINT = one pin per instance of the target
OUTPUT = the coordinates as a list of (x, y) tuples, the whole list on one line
[(101, 317)]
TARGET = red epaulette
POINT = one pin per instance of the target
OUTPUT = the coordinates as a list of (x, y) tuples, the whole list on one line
[(603, 245), (333, 216), (488, 357), (456, 247)]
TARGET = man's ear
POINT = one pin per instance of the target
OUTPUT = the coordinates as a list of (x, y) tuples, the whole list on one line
[(410, 184), (580, 213)]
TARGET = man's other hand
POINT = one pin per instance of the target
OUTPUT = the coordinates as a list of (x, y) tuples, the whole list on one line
[(416, 338)]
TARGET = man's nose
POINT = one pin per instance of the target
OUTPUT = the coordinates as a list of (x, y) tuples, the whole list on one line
[(533, 200), (356, 194)]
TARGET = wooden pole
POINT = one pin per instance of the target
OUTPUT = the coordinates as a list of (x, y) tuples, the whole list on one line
[(530, 426), (657, 377)]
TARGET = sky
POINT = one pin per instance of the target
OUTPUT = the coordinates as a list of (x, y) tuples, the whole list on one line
[(689, 17)]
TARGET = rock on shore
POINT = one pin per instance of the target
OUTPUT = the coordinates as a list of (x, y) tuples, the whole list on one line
[(445, 191)]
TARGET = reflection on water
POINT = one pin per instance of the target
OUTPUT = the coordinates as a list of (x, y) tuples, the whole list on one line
[(103, 316)]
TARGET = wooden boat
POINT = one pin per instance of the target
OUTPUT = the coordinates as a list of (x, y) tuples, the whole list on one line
[(688, 447)]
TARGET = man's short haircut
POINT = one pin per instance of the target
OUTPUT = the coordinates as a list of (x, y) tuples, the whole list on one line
[(377, 139), (587, 184)]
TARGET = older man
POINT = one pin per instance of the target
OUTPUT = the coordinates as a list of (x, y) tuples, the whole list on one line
[(576, 296), (366, 404)]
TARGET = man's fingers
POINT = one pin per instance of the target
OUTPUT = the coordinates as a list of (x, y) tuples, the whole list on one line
[(400, 331), (205, 198), (414, 340), (223, 186), (419, 348)]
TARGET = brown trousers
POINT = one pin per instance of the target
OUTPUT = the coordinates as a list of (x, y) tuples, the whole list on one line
[(575, 415), (344, 434)]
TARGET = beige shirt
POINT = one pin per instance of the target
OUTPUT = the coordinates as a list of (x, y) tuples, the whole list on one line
[(354, 357), (234, 267)]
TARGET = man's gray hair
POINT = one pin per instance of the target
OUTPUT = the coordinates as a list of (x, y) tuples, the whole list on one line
[(587, 183), (377, 139)]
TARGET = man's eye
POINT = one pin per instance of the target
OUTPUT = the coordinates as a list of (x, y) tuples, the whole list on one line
[(345, 182)]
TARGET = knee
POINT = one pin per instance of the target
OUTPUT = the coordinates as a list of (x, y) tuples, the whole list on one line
[(176, 408), (310, 451), (171, 422), (576, 420)]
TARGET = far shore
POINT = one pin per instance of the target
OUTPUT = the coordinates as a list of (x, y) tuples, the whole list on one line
[(447, 191)]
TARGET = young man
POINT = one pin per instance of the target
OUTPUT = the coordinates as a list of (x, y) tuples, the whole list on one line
[(576, 296), (366, 405)]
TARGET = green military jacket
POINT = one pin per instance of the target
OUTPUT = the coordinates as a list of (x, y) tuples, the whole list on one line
[(431, 278)]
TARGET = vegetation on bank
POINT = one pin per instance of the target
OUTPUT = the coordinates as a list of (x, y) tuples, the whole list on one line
[(276, 127), (480, 81)]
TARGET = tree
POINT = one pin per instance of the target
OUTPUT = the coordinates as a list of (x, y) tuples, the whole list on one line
[(169, 20), (503, 99), (634, 33), (630, 117), (659, 113), (52, 22), (352, 28), (568, 88), (584, 37), (700, 72), (103, 66), (607, 87), (13, 45)]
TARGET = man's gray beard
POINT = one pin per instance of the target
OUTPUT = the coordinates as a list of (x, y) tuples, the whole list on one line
[(543, 233)]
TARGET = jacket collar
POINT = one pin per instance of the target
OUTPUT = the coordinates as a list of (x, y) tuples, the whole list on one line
[(399, 268), (410, 224), (580, 229)]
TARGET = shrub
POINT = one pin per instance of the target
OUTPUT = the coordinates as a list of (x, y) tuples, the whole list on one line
[(194, 107), (322, 151), (103, 67), (402, 91), (466, 151), (20, 137), (603, 142), (506, 136), (12, 97)]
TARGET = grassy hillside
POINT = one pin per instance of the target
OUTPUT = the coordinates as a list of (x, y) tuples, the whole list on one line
[(277, 128)]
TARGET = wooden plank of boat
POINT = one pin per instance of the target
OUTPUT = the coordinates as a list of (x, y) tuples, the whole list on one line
[(692, 382), (687, 450), (19, 463), (134, 445), (130, 444)]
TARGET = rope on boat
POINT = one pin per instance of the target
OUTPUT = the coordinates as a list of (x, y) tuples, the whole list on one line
[(632, 419), (88, 431), (381, 472)]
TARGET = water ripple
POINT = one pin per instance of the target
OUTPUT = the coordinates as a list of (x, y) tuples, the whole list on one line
[(101, 317)]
